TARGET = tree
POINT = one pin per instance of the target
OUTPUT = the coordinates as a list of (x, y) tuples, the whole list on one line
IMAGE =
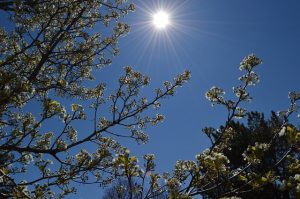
[(120, 190), (261, 159), (270, 160), (136, 181), (48, 54), (5, 183), (213, 175), (258, 130)]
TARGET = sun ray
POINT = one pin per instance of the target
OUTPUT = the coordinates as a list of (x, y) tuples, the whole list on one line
[(164, 28)]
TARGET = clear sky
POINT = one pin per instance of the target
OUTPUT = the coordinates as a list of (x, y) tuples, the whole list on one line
[(210, 38)]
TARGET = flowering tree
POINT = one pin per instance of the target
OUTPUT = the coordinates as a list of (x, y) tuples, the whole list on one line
[(212, 175), (212, 172), (258, 130), (48, 54)]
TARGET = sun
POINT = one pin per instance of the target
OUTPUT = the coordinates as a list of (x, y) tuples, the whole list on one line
[(160, 19)]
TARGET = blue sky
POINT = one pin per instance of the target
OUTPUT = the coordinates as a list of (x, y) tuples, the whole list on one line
[(209, 38)]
